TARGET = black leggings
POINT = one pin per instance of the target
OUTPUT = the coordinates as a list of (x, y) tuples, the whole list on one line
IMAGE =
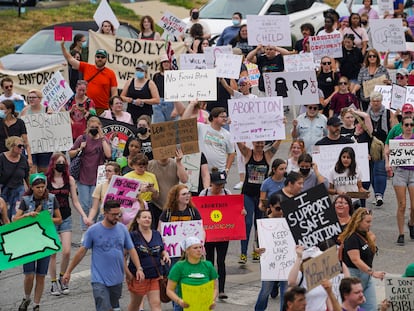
[(221, 248)]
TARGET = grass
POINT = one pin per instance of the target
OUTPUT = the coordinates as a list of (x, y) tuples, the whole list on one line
[(186, 3)]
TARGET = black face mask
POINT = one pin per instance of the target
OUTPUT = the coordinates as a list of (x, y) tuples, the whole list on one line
[(364, 23), (304, 171), (94, 131), (195, 15), (142, 130), (60, 167)]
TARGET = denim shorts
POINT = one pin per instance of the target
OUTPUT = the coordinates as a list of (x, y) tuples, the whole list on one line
[(106, 297), (65, 226), (403, 177), (39, 266)]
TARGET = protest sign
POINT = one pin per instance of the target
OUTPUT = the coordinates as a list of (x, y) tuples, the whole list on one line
[(310, 217), (385, 90), (387, 35), (104, 13), (211, 52), (192, 61), (401, 152), (48, 132), (299, 62), (28, 239), (324, 266), (124, 54), (172, 24), (124, 190), (253, 72), (192, 163), (166, 137), (180, 85), (326, 157), (398, 96), (275, 236), (222, 217), (228, 65), (100, 175), (269, 30), (63, 32), (176, 231), (256, 119), (409, 95), (296, 88), (329, 44), (385, 6), (56, 92), (198, 297), (26, 80), (369, 85), (400, 293)]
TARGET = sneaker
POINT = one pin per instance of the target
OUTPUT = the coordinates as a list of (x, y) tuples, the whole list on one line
[(243, 259), (379, 200), (255, 257), (54, 290), (400, 240), (223, 296), (238, 186), (25, 303), (411, 228), (64, 288), (36, 308)]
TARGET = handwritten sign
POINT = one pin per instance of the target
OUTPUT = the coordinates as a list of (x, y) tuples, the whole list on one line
[(228, 66), (326, 156), (211, 53), (322, 45), (385, 90), (296, 88), (299, 62), (369, 85), (310, 217), (222, 217), (190, 85), (401, 152), (387, 35), (166, 137), (269, 30), (275, 236), (198, 297), (100, 175), (253, 72), (192, 163), (48, 132), (385, 6), (122, 189), (192, 61), (176, 231), (398, 96), (324, 266), (172, 24), (56, 92), (409, 96), (400, 293), (256, 119)]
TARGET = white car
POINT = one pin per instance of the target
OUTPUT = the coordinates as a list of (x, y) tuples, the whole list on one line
[(217, 13)]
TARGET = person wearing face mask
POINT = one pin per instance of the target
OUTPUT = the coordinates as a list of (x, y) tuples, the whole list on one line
[(140, 93), (80, 44), (231, 31), (63, 186), (310, 172), (144, 135), (194, 18)]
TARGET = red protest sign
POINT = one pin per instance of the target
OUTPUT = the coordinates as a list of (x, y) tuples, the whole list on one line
[(222, 217), (63, 32)]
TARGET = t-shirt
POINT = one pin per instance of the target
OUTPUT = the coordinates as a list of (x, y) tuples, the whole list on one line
[(327, 82), (340, 101), (125, 117), (99, 193), (394, 132), (190, 213), (365, 253), (16, 129), (343, 182), (184, 272), (315, 298), (265, 64), (146, 178), (327, 141), (12, 174), (108, 245), (359, 33), (271, 186)]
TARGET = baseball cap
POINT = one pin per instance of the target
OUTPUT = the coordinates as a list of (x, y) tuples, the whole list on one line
[(407, 108), (218, 178), (36, 176), (141, 66), (402, 71), (409, 271), (334, 121), (101, 52), (243, 80)]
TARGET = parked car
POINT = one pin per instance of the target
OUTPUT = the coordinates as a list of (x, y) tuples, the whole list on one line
[(22, 2), (42, 50)]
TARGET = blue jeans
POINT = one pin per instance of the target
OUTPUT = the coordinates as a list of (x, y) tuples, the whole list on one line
[(162, 111), (251, 204), (106, 297), (85, 197), (369, 289), (11, 196), (263, 298), (379, 177)]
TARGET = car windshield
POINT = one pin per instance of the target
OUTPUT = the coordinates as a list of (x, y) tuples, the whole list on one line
[(220, 9)]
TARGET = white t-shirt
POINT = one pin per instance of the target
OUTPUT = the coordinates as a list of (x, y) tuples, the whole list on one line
[(344, 183), (238, 94)]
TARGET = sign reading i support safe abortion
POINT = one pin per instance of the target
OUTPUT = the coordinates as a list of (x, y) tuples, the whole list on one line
[(256, 119)]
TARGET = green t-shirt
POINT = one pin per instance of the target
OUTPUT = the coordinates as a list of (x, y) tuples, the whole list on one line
[(184, 272), (394, 132)]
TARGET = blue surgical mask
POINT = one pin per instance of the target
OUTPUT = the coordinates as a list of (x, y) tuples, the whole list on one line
[(235, 22), (85, 44), (139, 74), (2, 114)]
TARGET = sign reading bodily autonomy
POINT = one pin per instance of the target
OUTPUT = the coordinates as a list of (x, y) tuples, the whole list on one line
[(198, 297), (310, 217), (400, 293), (222, 217), (256, 119), (401, 152), (269, 30), (27, 240), (56, 92)]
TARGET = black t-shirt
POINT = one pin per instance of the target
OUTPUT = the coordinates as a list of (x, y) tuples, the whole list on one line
[(158, 79), (327, 82), (16, 129), (327, 141), (351, 62), (12, 174), (356, 242), (188, 214), (265, 64), (347, 132)]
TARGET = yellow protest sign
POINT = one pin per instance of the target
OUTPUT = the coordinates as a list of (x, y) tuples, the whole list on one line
[(199, 297)]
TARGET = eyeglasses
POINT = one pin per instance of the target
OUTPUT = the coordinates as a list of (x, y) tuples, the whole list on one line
[(115, 214), (400, 77), (100, 57), (32, 97), (21, 146), (326, 63), (185, 194), (408, 124), (8, 87), (312, 108), (372, 56), (343, 83)]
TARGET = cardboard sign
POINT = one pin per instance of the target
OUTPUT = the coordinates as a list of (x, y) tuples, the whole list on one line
[(192, 164), (369, 85), (324, 266), (104, 13), (401, 152), (200, 297), (311, 218), (253, 72), (192, 61), (385, 90), (180, 85), (269, 30), (172, 24), (222, 217), (64, 32), (228, 66), (49, 132), (122, 189), (326, 157), (296, 88), (398, 96), (256, 119), (387, 35), (211, 53), (322, 45), (400, 292), (299, 62), (166, 137), (176, 231), (56, 92), (27, 240), (275, 236)]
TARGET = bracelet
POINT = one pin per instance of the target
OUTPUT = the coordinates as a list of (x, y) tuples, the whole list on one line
[(370, 271), (140, 269)]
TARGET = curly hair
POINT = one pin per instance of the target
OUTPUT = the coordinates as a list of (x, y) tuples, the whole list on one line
[(172, 198)]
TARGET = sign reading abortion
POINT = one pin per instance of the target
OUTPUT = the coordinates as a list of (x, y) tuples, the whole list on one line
[(401, 152), (125, 190)]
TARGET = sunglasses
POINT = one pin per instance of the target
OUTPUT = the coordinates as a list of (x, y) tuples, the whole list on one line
[(408, 124), (343, 83), (400, 77), (100, 57), (21, 146), (32, 97), (372, 56), (8, 87), (115, 214), (312, 108), (326, 63)]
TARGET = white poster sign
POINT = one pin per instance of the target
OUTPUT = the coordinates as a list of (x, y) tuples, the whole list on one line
[(192, 61), (180, 85), (327, 156), (100, 175), (210, 53), (49, 132), (385, 90), (409, 96), (123, 189), (192, 164), (172, 24), (400, 292), (323, 45), (104, 13), (397, 96), (228, 65), (56, 92), (256, 119), (387, 35), (275, 236), (269, 30), (296, 88), (401, 152), (385, 6), (299, 62)]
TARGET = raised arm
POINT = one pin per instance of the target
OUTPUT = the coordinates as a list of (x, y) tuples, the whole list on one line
[(69, 58)]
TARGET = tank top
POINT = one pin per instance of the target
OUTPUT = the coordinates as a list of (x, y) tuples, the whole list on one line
[(62, 196), (143, 93), (149, 37), (256, 173)]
